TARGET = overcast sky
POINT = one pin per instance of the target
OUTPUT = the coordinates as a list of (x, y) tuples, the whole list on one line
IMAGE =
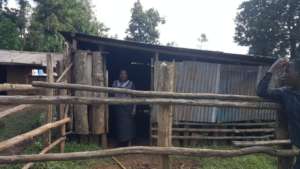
[(185, 21)]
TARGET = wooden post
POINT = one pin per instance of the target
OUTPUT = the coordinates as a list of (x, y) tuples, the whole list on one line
[(282, 133), (50, 79), (165, 116), (82, 75), (97, 115)]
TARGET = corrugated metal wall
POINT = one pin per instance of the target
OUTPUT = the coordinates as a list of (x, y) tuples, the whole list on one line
[(201, 77)]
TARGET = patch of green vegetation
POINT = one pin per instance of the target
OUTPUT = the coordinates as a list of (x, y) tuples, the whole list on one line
[(244, 162)]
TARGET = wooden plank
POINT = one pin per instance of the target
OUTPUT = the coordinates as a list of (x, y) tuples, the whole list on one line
[(219, 137), (217, 130), (121, 101), (177, 151), (97, 114), (139, 93), (31, 134), (272, 124), (261, 143), (50, 92), (82, 75)]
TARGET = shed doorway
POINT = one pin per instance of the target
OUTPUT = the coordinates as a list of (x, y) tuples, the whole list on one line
[(139, 72), (3, 77)]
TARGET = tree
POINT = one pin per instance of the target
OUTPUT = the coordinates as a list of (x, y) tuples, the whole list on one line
[(269, 27), (13, 25), (143, 24), (51, 16), (202, 40)]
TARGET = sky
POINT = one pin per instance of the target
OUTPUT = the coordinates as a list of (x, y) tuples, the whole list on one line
[(185, 21)]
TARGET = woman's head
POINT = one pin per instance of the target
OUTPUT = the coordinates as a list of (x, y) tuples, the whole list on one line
[(123, 75)]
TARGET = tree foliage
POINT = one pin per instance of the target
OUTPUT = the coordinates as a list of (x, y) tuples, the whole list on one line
[(143, 24), (52, 16), (12, 25), (269, 27)]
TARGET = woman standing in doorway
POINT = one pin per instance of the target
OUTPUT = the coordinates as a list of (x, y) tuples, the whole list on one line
[(124, 114)]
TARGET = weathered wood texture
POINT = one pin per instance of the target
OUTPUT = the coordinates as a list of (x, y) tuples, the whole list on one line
[(17, 87), (261, 143), (97, 114), (82, 75), (31, 134), (216, 130), (165, 117), (46, 150), (14, 110), (193, 152), (138, 93), (282, 133), (94, 100), (199, 137), (50, 92)]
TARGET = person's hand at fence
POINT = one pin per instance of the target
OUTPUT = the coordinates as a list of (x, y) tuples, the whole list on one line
[(279, 65)]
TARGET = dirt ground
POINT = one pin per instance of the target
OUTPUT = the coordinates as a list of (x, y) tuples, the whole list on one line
[(148, 162)]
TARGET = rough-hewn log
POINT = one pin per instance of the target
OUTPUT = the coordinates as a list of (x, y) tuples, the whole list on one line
[(97, 114), (261, 143), (64, 73), (31, 134), (138, 93), (219, 137), (82, 74), (46, 150), (178, 151), (93, 100), (165, 117), (207, 130), (15, 109), (18, 87), (50, 92)]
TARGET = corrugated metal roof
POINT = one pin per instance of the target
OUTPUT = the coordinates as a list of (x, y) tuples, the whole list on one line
[(12, 57), (172, 52)]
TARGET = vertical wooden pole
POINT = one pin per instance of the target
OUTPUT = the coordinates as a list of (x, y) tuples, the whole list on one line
[(98, 120), (82, 75), (50, 79), (282, 133), (165, 114)]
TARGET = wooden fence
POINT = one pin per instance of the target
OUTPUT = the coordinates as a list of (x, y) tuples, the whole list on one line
[(165, 99)]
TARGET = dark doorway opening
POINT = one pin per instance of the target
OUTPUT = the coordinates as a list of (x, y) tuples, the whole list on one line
[(3, 78), (138, 66)]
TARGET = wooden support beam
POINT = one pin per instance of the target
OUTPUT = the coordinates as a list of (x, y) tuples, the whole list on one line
[(138, 93), (178, 151), (18, 87), (46, 150), (31, 134), (165, 117), (219, 137), (260, 143), (120, 101), (14, 110), (64, 73), (271, 124), (207, 130), (50, 92)]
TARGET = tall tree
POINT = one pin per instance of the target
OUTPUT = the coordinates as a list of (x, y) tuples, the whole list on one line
[(12, 25), (269, 27), (51, 16), (143, 24)]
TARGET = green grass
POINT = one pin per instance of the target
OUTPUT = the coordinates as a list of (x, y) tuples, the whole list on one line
[(244, 162), (29, 120)]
